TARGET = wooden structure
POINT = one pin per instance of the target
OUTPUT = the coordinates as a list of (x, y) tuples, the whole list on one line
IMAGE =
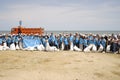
[(22, 30)]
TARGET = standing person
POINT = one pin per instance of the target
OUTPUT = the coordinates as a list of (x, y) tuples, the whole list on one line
[(76, 40), (81, 42), (71, 38), (103, 43), (108, 43), (4, 40), (0, 40), (90, 39), (43, 40), (51, 40), (16, 40), (115, 44), (56, 42), (66, 43), (98, 40), (95, 41), (119, 43), (119, 46), (60, 41), (8, 40), (85, 42), (21, 37)]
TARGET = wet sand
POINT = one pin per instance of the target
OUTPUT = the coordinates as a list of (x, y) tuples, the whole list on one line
[(62, 65)]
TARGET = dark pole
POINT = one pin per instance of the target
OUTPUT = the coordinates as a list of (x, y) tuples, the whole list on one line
[(20, 22), (19, 30)]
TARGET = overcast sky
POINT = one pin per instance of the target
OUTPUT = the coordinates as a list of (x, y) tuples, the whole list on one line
[(61, 14)]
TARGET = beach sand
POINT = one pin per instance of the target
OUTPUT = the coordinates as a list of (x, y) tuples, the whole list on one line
[(62, 65)]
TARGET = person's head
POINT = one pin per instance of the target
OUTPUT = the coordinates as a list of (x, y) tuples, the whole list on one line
[(90, 34), (51, 33), (70, 34), (60, 34), (112, 34), (102, 37), (118, 36), (76, 34)]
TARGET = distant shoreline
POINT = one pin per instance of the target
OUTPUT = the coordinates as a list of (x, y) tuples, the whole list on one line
[(77, 30), (69, 31)]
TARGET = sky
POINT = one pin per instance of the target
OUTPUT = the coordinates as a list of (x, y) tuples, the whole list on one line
[(67, 15)]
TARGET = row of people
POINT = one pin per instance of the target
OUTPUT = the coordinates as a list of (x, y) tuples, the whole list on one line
[(80, 42)]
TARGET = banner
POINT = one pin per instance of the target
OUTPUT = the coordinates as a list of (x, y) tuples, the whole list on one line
[(30, 42), (0, 41)]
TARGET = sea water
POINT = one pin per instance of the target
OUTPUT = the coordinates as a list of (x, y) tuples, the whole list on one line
[(73, 32), (84, 32)]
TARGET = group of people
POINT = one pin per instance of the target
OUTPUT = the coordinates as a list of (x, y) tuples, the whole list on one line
[(74, 42)]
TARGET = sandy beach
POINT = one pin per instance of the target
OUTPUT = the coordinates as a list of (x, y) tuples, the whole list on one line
[(62, 65)]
